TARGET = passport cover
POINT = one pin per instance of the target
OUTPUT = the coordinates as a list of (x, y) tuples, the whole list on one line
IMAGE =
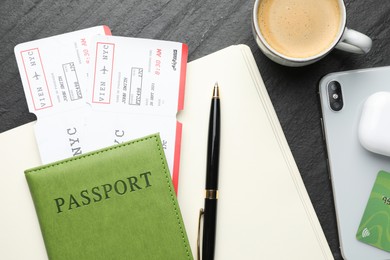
[(114, 203)]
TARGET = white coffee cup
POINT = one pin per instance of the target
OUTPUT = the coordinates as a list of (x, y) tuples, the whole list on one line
[(300, 32)]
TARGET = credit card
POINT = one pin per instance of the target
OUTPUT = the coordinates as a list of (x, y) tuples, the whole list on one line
[(374, 228)]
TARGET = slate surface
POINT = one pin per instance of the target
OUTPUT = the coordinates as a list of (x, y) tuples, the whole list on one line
[(206, 26)]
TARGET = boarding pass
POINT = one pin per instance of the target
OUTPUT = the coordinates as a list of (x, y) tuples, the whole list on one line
[(54, 73), (90, 90)]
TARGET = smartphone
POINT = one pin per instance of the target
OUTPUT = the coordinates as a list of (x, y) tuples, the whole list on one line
[(353, 169)]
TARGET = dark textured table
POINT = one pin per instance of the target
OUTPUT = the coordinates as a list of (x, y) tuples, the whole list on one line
[(206, 26)]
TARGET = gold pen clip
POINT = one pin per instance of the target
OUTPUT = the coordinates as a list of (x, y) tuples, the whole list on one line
[(201, 213)]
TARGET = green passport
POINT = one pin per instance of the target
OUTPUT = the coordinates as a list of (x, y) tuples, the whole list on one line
[(114, 203)]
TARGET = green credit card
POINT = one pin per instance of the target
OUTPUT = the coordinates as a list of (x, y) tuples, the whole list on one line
[(374, 228)]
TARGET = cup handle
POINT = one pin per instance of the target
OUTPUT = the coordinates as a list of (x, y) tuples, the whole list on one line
[(355, 42)]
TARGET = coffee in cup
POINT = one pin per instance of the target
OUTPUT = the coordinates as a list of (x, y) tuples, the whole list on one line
[(300, 32)]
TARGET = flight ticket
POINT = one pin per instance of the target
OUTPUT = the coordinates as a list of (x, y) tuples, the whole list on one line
[(137, 89), (90, 90), (54, 73)]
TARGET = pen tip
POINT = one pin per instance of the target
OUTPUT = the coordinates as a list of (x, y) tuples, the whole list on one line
[(216, 90)]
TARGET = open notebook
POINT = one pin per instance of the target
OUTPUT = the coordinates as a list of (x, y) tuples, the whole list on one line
[(264, 211)]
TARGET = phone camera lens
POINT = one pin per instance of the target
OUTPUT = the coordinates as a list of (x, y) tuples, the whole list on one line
[(335, 96)]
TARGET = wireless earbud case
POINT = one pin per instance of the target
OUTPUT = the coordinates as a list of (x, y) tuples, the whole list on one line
[(374, 125)]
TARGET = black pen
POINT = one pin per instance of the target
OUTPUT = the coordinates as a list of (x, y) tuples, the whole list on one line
[(210, 202)]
